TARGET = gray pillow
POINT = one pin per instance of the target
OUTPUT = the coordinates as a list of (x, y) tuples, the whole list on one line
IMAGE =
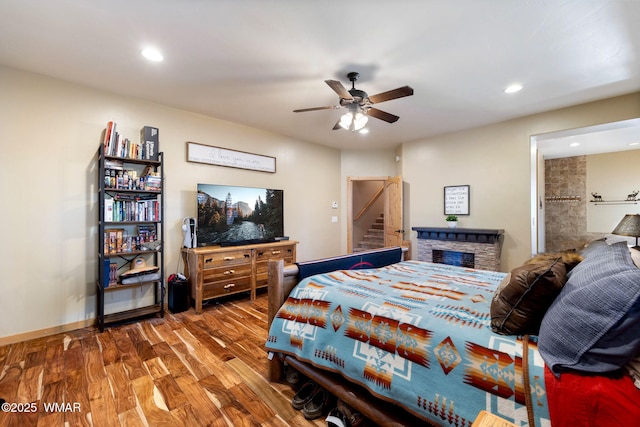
[(599, 293)]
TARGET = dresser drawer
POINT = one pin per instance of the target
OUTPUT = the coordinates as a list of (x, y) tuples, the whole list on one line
[(265, 254), (226, 259), (225, 273), (218, 289)]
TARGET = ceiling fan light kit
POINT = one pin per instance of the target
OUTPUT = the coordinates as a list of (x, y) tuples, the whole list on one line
[(359, 121), (345, 120), (353, 122), (360, 104)]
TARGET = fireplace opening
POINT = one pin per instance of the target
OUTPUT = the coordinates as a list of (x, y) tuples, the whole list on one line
[(459, 259)]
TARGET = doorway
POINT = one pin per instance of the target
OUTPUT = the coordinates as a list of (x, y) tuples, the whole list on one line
[(374, 212), (591, 140)]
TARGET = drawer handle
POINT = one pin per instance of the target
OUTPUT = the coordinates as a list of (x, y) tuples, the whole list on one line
[(229, 258), (275, 252), (229, 272), (229, 286), (208, 260)]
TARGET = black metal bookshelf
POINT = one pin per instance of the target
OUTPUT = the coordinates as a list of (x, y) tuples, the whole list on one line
[(117, 252)]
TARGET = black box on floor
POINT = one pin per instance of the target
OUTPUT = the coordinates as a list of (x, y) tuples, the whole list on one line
[(178, 294)]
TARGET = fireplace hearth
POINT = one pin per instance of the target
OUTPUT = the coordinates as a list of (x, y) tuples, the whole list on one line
[(466, 247)]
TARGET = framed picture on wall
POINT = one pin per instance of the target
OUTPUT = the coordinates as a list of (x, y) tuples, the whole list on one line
[(456, 200)]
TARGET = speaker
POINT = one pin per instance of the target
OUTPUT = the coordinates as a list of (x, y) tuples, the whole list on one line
[(178, 293), (189, 230)]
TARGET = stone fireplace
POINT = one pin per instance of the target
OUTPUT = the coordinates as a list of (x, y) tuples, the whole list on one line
[(466, 247)]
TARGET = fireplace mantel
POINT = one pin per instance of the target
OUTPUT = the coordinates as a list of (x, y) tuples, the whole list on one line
[(476, 235)]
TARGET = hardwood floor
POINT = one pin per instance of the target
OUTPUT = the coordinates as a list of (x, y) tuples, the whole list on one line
[(183, 370)]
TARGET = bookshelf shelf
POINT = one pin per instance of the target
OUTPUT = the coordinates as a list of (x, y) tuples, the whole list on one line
[(130, 191), (119, 286), (116, 223), (136, 312), (126, 254), (130, 160), (131, 230)]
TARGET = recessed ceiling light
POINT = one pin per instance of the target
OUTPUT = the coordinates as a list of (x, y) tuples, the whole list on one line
[(634, 143), (152, 54), (574, 144), (513, 88), (364, 131)]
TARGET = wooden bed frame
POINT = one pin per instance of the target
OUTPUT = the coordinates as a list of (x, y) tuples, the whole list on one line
[(282, 279)]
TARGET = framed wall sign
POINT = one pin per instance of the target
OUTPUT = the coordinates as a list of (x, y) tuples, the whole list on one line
[(456, 200), (200, 153)]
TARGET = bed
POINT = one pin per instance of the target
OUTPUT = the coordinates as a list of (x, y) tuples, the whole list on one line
[(383, 334)]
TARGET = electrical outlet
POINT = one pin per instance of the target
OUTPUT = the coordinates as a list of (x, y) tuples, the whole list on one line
[(334, 205)]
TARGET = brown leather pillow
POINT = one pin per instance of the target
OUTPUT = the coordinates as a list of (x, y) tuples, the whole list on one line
[(517, 307)]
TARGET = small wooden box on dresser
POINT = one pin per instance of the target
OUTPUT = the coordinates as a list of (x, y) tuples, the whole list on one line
[(215, 271)]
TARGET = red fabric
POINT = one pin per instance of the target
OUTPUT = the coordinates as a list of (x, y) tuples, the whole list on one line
[(582, 400)]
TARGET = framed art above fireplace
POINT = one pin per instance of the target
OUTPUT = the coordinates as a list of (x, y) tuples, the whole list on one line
[(456, 200)]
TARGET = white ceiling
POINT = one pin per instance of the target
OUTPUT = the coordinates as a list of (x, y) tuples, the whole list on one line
[(254, 61), (604, 138)]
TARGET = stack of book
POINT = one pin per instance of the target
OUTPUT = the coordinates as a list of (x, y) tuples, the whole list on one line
[(115, 145), (116, 240), (121, 209)]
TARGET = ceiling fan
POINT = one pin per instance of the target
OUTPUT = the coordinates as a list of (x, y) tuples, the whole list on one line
[(359, 104)]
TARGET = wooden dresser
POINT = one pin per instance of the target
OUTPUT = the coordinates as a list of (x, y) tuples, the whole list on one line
[(216, 271)]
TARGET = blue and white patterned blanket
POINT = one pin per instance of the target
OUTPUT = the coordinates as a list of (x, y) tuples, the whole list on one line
[(414, 333)]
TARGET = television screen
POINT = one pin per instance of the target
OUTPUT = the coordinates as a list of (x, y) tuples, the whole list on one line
[(231, 215)]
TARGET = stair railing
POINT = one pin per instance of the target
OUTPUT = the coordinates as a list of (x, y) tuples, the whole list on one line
[(369, 203)]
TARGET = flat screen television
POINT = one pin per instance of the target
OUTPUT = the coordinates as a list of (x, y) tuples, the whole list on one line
[(231, 215)]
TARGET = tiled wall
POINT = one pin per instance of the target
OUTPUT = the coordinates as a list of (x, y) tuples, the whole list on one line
[(565, 204)]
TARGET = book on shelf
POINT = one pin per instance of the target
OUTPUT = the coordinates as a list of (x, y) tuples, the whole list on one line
[(153, 183), (106, 272), (149, 136), (110, 273), (113, 239), (147, 233), (135, 210), (113, 273), (108, 209), (109, 138), (117, 145)]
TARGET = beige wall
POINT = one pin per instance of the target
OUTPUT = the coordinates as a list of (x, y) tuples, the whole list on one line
[(50, 133), (495, 161), (367, 163), (51, 130), (614, 176)]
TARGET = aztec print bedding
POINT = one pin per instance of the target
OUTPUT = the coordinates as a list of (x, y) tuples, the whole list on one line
[(414, 333)]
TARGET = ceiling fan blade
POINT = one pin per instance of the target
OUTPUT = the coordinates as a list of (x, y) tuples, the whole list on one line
[(382, 115), (330, 107), (339, 89), (391, 94)]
